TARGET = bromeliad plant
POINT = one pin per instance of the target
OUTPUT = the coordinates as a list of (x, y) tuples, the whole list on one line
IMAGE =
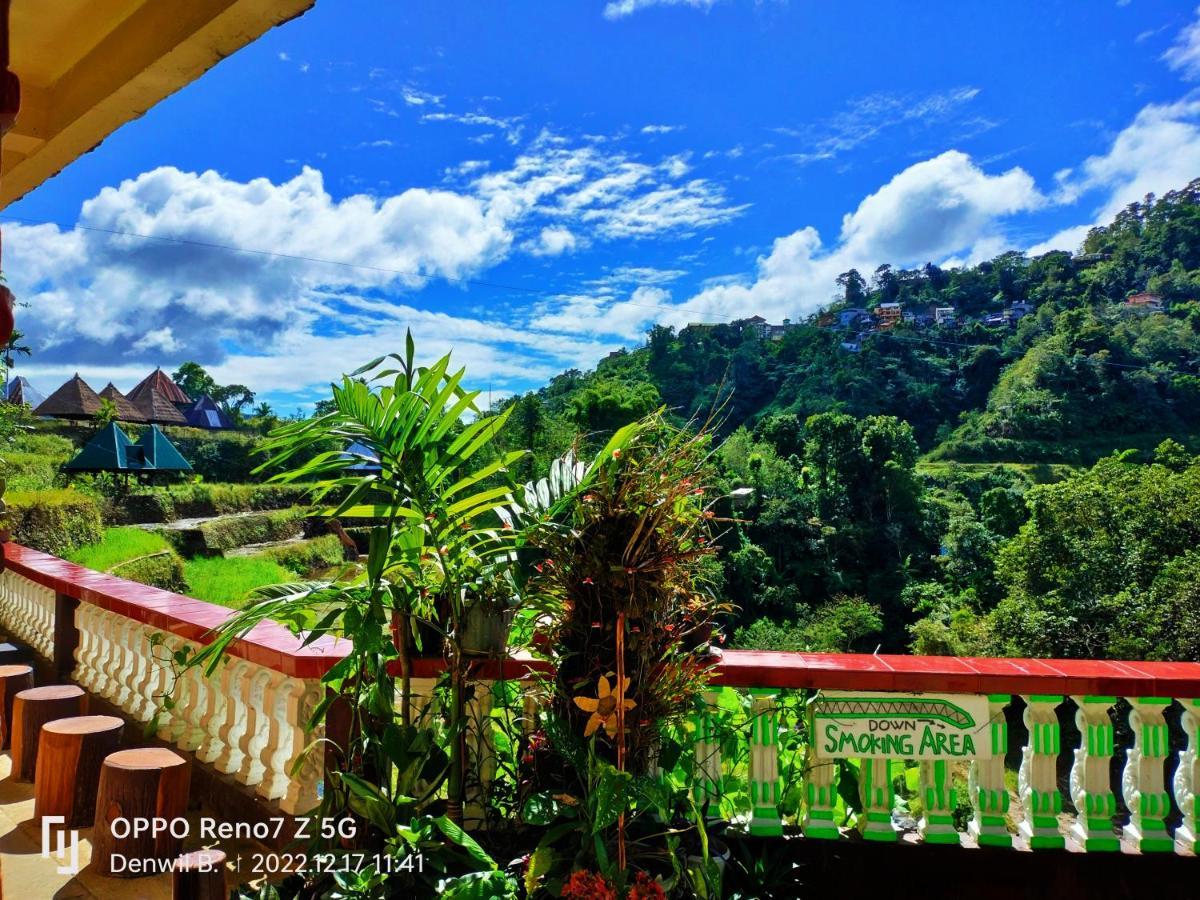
[(437, 544), (625, 614)]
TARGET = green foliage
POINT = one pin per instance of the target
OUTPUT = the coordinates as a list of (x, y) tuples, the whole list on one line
[(201, 499), (229, 532), (842, 625), (1101, 568), (162, 570), (55, 521), (227, 581), (118, 545), (306, 557)]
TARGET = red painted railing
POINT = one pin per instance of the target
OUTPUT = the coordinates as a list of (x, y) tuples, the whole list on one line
[(269, 644)]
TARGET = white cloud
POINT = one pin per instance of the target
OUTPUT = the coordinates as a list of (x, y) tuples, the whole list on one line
[(1184, 55), (1159, 151), (512, 126), (553, 241), (660, 129), (161, 340), (866, 118), (620, 9), (414, 97), (603, 315)]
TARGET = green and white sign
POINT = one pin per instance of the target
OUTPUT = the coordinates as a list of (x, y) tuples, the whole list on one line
[(900, 726)]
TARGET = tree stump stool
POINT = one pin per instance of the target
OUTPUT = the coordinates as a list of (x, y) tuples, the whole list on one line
[(199, 875), (68, 766), (32, 709), (144, 784), (13, 680)]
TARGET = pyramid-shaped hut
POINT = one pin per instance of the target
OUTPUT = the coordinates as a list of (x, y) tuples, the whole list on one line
[(126, 410), (159, 381), (108, 451), (159, 454), (74, 400), (207, 413), (19, 392), (157, 408)]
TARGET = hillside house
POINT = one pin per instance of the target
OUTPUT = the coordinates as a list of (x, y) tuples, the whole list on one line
[(1019, 310), (1145, 302), (847, 318), (888, 315), (945, 315)]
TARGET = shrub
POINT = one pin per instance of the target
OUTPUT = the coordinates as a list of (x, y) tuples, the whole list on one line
[(54, 521), (138, 509), (162, 570), (304, 557), (29, 471), (229, 532), (201, 499)]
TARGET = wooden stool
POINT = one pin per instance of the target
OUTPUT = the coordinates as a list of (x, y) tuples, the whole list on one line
[(141, 784), (32, 709), (68, 766), (199, 875), (13, 680)]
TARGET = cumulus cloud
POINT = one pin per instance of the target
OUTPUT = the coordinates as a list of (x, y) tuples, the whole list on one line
[(1184, 55), (554, 241), (254, 278), (660, 129), (1157, 152)]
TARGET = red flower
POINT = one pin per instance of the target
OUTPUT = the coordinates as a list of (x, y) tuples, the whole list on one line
[(616, 454), (646, 888), (588, 886), (588, 581)]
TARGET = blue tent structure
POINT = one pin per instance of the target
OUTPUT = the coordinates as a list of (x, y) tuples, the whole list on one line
[(207, 413), (111, 450), (19, 392), (358, 450), (158, 453)]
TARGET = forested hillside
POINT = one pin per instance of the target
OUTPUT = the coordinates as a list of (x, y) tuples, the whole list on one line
[(925, 485)]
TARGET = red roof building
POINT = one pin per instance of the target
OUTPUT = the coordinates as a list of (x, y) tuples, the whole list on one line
[(159, 381)]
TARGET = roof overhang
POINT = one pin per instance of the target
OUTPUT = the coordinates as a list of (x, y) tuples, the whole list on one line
[(89, 66)]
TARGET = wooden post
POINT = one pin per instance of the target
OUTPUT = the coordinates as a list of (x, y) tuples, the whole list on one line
[(199, 875), (13, 680), (145, 783), (68, 766), (66, 635), (32, 709)]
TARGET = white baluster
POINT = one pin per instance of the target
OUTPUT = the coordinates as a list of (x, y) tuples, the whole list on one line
[(84, 674), (481, 751), (1142, 783), (1038, 777), (189, 731), (250, 771), (219, 720), (1187, 781), (233, 733), (267, 733), (989, 794), (304, 789), (1094, 802)]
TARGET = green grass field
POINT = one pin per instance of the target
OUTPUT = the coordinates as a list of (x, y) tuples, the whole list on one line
[(118, 546), (226, 581)]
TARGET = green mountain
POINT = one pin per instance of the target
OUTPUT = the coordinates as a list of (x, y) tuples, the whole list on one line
[(895, 440)]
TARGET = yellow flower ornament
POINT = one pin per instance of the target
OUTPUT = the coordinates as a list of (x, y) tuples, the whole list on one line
[(603, 707)]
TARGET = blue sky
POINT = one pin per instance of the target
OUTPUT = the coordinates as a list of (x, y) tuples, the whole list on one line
[(533, 184)]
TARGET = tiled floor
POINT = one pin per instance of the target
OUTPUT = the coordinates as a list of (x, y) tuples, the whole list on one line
[(27, 875)]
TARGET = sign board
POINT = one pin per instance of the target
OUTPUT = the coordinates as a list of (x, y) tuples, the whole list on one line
[(901, 726)]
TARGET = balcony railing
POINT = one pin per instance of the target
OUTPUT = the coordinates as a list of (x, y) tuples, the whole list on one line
[(832, 716)]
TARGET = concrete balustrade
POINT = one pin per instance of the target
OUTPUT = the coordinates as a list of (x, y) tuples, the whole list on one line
[(247, 721)]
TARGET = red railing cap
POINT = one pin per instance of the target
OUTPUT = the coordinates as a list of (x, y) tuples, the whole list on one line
[(268, 644)]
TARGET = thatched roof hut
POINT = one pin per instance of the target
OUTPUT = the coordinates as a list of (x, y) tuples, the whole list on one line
[(159, 381), (126, 410), (157, 408), (74, 400)]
